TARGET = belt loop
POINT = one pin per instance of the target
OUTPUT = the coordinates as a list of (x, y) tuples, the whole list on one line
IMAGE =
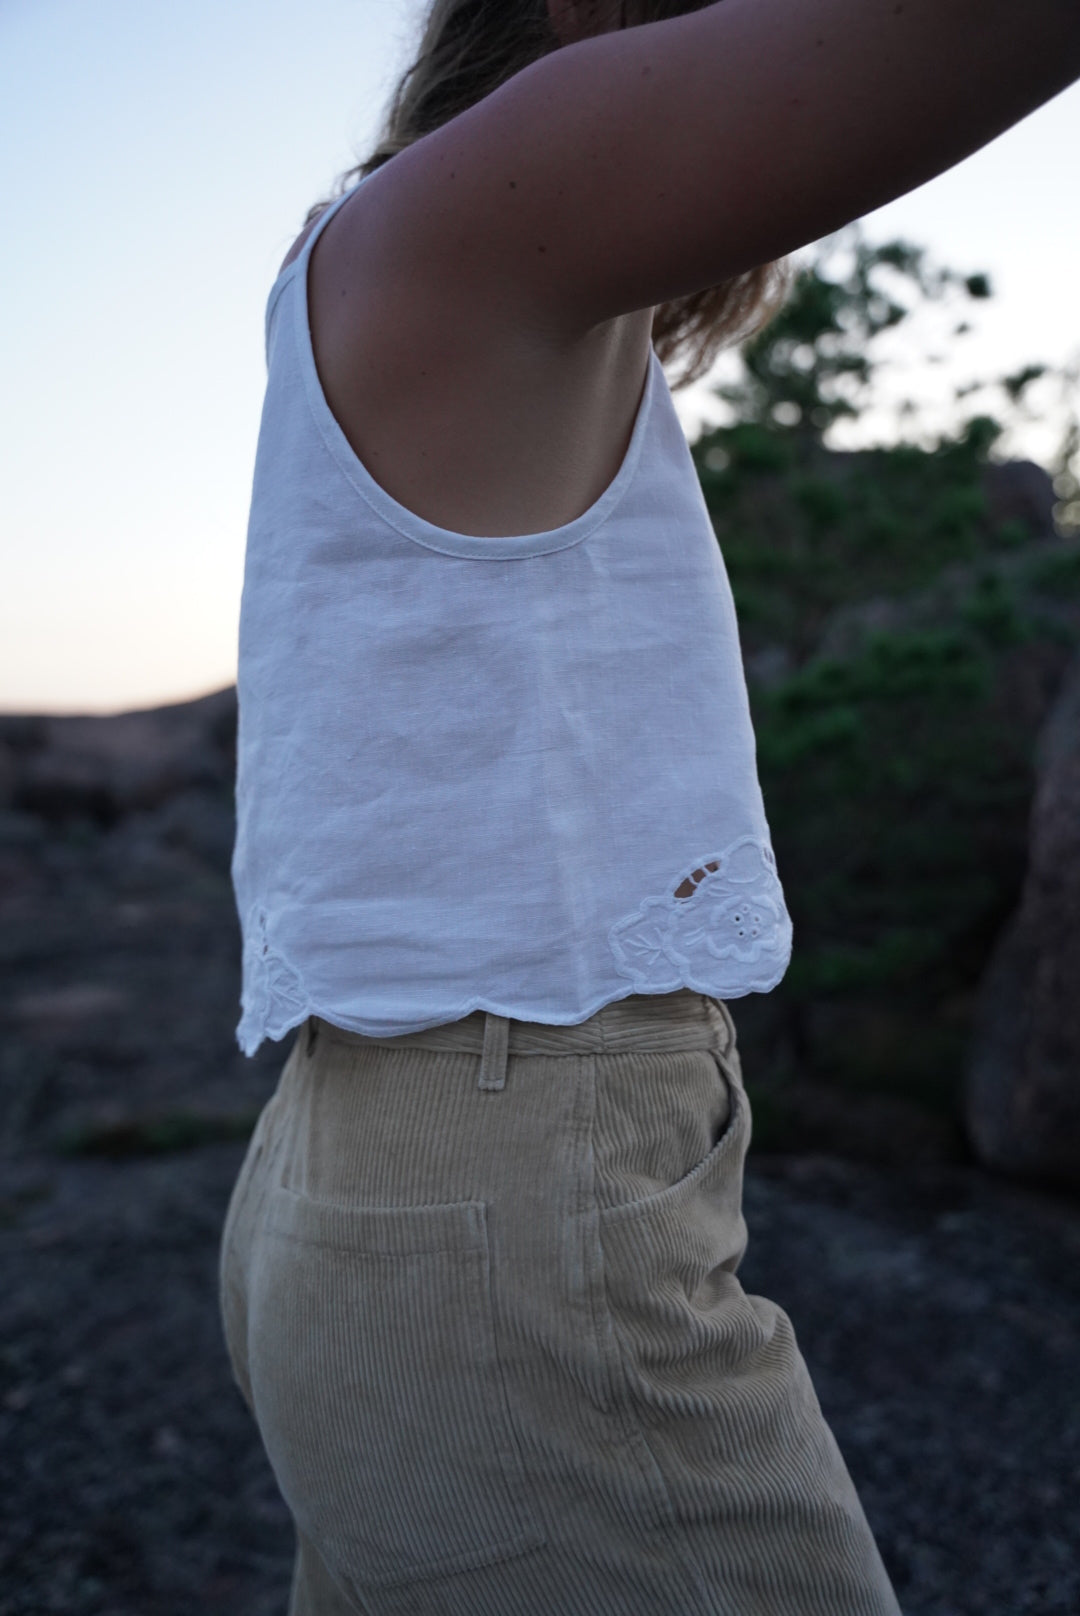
[(496, 1045)]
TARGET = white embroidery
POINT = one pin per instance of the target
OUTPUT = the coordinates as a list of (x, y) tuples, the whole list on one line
[(273, 989), (720, 929), (729, 907)]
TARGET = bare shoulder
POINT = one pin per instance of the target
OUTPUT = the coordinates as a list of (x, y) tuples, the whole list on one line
[(466, 414), (298, 245)]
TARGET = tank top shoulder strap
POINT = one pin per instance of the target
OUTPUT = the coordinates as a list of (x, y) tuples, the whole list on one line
[(298, 267)]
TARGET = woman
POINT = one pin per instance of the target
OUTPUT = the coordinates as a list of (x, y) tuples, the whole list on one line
[(501, 847)]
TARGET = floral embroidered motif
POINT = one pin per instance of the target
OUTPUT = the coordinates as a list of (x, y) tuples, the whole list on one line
[(729, 907), (273, 990)]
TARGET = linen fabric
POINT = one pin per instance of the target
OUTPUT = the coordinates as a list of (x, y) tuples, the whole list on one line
[(500, 1362), (515, 774)]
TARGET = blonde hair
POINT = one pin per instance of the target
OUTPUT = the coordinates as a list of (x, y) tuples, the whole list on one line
[(467, 49)]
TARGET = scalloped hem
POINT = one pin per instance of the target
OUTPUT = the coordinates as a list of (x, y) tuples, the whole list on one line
[(251, 1033)]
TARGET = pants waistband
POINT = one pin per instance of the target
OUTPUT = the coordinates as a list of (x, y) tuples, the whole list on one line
[(641, 1022)]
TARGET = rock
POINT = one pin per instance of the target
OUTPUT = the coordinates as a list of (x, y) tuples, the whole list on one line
[(8, 775), (74, 1002), (1020, 491), (19, 830), (104, 768), (201, 822), (770, 666), (1022, 1093)]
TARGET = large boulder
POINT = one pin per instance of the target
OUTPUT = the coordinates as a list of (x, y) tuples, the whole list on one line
[(1020, 491), (105, 768), (1022, 1098)]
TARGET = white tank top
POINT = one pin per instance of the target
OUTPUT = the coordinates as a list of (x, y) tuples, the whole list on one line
[(507, 774)]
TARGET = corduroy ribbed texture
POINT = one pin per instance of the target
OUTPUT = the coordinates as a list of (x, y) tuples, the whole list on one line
[(495, 1344)]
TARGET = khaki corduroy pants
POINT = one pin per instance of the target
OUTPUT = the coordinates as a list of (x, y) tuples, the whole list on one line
[(479, 1291)]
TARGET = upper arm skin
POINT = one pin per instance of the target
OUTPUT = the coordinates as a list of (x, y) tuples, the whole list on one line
[(644, 164)]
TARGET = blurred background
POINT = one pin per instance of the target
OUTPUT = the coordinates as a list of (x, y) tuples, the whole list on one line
[(893, 471)]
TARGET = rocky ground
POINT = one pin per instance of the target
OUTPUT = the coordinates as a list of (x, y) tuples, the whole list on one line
[(938, 1307)]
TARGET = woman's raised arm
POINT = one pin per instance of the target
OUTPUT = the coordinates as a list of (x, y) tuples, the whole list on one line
[(639, 165)]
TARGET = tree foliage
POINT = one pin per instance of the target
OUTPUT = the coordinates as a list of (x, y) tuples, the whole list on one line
[(817, 361), (896, 753)]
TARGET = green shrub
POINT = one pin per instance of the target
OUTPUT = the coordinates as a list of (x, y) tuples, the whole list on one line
[(822, 501), (992, 609), (898, 798), (1059, 574), (898, 776)]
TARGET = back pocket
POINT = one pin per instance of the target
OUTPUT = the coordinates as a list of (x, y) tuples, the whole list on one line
[(378, 1391)]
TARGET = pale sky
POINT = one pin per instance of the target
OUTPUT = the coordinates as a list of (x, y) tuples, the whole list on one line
[(157, 161)]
